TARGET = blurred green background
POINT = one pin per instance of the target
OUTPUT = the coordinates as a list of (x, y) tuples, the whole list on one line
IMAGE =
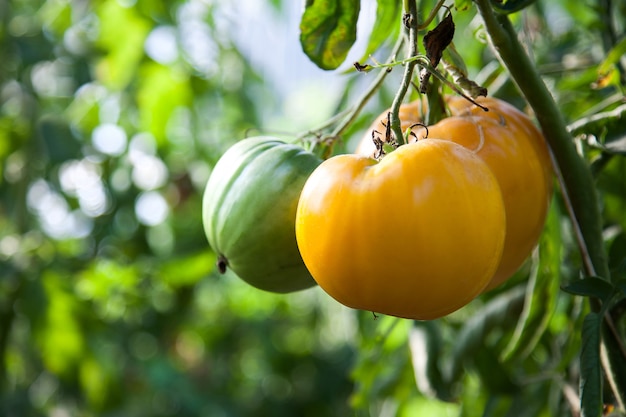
[(113, 113)]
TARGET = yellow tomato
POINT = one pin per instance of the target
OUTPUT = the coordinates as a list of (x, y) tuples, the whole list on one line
[(417, 235), (515, 150)]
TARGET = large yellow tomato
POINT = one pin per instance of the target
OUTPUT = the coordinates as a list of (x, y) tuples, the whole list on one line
[(515, 150), (416, 235)]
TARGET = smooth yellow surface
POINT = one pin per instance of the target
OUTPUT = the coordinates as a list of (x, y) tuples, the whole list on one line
[(516, 152), (418, 235)]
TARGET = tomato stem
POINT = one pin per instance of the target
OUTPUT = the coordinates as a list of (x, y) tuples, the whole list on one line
[(577, 180), (411, 26), (574, 174)]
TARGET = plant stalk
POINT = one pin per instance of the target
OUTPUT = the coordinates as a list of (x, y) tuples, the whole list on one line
[(573, 172), (410, 19), (578, 185)]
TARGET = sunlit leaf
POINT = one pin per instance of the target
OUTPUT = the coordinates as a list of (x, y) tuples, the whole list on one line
[(95, 380), (188, 270), (328, 30), (607, 70), (61, 339), (56, 16), (122, 32), (420, 406), (161, 91), (510, 6), (462, 5)]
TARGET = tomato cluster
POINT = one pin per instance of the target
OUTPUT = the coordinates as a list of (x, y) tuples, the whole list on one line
[(417, 233)]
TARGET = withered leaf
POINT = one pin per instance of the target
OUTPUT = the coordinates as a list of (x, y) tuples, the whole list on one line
[(435, 42)]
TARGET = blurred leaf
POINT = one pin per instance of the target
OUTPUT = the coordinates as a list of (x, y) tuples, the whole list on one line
[(112, 286), (56, 16), (383, 365), (608, 128), (95, 380), (188, 270), (611, 181), (122, 32), (426, 344), (613, 57), (496, 377), (499, 311), (510, 6), (161, 91), (590, 367), (59, 142), (386, 25), (61, 339), (462, 5), (419, 406), (84, 111), (591, 287), (328, 30), (542, 290), (617, 257)]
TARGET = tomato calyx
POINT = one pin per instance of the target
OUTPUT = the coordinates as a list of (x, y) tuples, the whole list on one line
[(389, 143)]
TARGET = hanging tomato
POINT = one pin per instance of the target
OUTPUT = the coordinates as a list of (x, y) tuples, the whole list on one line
[(516, 152), (249, 210), (416, 235)]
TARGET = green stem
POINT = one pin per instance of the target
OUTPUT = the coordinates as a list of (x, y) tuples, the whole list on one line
[(411, 22), (578, 186), (575, 175)]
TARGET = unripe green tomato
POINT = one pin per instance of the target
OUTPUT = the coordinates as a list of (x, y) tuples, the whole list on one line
[(249, 211)]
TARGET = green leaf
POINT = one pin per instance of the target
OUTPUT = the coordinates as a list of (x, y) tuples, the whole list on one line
[(591, 287), (121, 34), (186, 271), (161, 91), (386, 25), (328, 30), (590, 371), (425, 344), (462, 5), (542, 291), (613, 57), (510, 6), (493, 374), (621, 285), (469, 340)]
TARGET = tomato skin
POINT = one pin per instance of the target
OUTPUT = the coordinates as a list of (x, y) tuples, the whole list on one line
[(516, 152), (249, 209), (417, 235)]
